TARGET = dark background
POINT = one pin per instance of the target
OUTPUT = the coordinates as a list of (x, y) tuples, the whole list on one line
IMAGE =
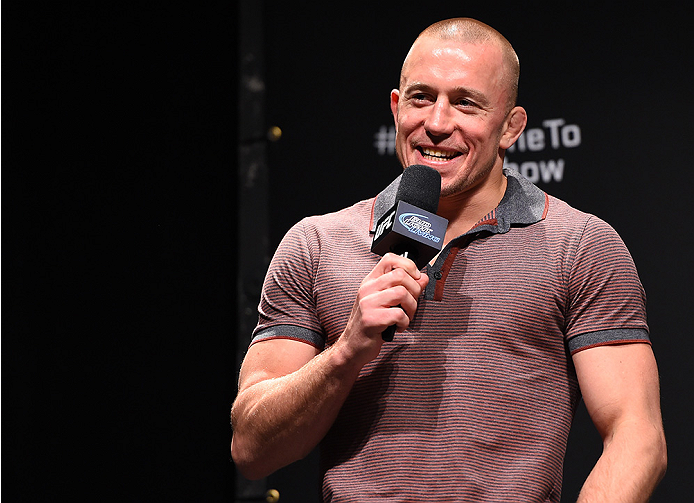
[(126, 132)]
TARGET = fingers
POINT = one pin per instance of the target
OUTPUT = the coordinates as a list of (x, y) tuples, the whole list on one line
[(387, 296), (392, 290), (390, 261), (399, 290)]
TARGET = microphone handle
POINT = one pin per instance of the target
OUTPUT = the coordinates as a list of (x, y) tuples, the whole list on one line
[(388, 334)]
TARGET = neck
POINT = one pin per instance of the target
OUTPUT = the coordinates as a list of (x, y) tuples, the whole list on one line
[(465, 209)]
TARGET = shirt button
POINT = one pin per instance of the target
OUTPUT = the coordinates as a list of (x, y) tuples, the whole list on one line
[(438, 275)]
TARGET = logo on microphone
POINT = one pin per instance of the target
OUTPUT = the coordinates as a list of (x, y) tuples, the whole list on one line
[(385, 224), (418, 224)]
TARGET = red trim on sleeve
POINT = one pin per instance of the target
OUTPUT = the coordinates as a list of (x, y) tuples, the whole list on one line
[(612, 343)]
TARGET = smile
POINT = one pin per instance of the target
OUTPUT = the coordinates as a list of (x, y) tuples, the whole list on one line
[(439, 155)]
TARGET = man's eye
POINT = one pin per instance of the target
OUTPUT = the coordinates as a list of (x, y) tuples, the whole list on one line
[(465, 103)]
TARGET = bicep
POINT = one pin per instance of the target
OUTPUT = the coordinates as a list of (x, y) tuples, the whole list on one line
[(273, 358), (619, 383)]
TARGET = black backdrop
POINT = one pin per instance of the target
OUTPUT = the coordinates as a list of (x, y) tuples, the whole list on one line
[(120, 211), (119, 136)]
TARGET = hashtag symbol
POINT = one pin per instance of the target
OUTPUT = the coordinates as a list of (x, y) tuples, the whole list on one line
[(384, 140)]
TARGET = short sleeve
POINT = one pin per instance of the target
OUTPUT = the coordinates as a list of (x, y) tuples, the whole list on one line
[(607, 302), (287, 304)]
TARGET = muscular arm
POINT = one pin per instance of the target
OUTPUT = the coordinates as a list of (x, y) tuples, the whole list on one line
[(289, 394), (621, 392), (288, 399)]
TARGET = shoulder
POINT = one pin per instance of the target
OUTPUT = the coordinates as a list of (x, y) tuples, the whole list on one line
[(566, 219), (561, 212), (356, 216), (334, 227), (314, 235)]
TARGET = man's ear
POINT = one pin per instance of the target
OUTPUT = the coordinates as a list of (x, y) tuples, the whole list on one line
[(394, 100), (516, 121)]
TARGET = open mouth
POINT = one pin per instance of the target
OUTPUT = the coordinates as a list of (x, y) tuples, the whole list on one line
[(434, 154)]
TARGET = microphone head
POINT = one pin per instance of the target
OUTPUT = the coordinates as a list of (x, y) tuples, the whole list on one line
[(420, 186), (412, 228)]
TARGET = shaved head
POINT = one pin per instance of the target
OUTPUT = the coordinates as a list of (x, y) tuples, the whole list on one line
[(471, 31)]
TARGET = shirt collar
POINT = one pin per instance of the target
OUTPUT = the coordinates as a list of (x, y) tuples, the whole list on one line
[(523, 204)]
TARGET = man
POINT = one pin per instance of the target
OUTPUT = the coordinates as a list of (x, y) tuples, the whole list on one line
[(529, 305)]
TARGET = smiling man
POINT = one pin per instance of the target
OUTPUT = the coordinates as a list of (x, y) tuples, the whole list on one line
[(530, 305), (455, 111)]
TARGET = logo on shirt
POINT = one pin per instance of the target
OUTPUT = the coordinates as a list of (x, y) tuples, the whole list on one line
[(418, 224)]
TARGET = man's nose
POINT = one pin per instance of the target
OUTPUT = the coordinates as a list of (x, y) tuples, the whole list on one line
[(440, 121)]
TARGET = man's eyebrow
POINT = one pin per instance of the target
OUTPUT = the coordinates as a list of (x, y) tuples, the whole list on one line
[(474, 94), (417, 87), (468, 92)]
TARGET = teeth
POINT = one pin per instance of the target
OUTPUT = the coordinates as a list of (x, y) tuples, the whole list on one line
[(439, 154)]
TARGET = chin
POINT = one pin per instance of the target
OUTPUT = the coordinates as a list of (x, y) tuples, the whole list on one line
[(451, 190), (462, 185)]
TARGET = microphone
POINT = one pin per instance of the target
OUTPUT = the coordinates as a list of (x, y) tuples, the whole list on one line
[(411, 228)]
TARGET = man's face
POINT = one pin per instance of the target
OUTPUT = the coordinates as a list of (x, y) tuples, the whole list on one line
[(450, 111)]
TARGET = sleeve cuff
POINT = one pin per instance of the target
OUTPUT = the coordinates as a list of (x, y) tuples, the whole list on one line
[(608, 337), (292, 332)]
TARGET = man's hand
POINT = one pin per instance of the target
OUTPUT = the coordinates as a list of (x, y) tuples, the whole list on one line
[(387, 296)]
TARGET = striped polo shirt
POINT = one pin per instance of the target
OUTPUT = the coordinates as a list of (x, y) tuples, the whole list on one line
[(475, 400)]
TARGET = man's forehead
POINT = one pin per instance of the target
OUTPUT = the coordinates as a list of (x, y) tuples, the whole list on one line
[(464, 52), (451, 56)]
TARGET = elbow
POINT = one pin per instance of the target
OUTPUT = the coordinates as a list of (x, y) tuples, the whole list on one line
[(255, 463), (661, 456), (250, 470), (249, 465), (245, 453), (654, 452)]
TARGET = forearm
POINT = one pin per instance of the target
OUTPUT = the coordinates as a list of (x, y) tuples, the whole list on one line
[(289, 397), (278, 421), (631, 465)]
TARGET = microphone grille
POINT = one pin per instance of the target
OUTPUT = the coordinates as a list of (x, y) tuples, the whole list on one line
[(420, 186)]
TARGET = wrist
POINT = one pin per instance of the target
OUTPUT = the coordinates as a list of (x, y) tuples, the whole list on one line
[(345, 358)]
